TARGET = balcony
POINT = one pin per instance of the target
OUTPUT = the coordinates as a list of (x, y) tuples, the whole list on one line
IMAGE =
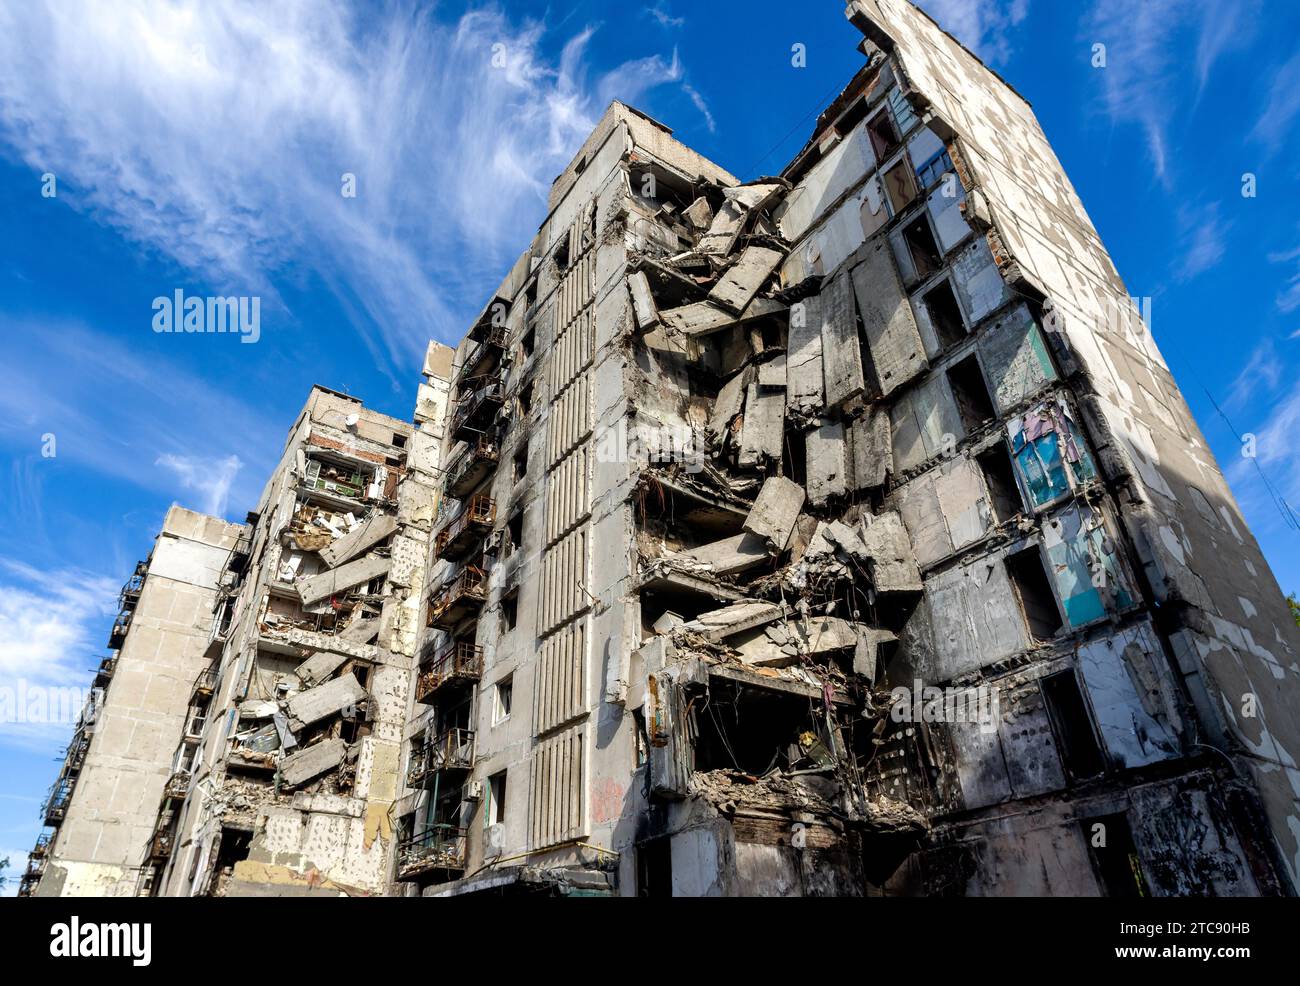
[(130, 594), (481, 361), (335, 479), (27, 885), (104, 673), (178, 785), (441, 847), (117, 636), (453, 750), (42, 847), (456, 663), (74, 757), (467, 529), (204, 684), (56, 803), (35, 867), (475, 461), (464, 594), (164, 839), (492, 317), (475, 411)]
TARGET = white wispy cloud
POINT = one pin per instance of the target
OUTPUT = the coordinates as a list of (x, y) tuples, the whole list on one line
[(660, 12), (1260, 376), (211, 478), (1288, 299), (1142, 82), (984, 26), (1203, 242), (1278, 455), (217, 134), (52, 630), (1275, 122)]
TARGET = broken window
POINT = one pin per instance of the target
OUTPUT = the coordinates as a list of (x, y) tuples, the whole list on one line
[(1115, 856), (232, 848), (654, 868), (945, 314), (399, 440), (525, 400), (529, 342), (1086, 565), (934, 169), (884, 135), (197, 718), (900, 186), (1004, 497), (640, 740), (503, 699), (1042, 618), (1049, 451), (971, 393), (496, 813), (1076, 741), (562, 254), (921, 246)]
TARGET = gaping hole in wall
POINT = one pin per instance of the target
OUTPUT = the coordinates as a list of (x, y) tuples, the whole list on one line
[(945, 314), (654, 868), (520, 461), (561, 254), (971, 394), (921, 246), (232, 847), (1000, 481), (1076, 739), (1114, 855), (525, 400), (884, 135), (754, 730), (1034, 590)]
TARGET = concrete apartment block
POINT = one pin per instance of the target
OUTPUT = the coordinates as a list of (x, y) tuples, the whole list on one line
[(837, 532), (103, 807)]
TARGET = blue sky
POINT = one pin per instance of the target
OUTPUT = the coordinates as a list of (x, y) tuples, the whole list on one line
[(201, 147)]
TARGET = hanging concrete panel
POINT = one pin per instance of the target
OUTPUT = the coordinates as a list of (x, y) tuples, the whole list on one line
[(737, 287), (871, 450), (841, 349), (1130, 692), (775, 510), (1015, 358), (896, 348), (371, 531), (764, 426), (826, 463), (339, 580), (805, 389), (325, 700)]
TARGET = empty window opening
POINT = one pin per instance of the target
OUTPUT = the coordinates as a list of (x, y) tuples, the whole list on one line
[(884, 135), (530, 295), (497, 798), (1042, 618), (855, 114), (945, 314), (922, 247), (754, 730), (1004, 498), (509, 611), (1076, 741), (526, 400), (640, 740), (503, 699), (1115, 856), (399, 441), (971, 394), (521, 461), (529, 342), (654, 868), (515, 532), (900, 185)]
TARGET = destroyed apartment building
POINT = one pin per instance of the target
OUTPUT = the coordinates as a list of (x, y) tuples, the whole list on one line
[(835, 532)]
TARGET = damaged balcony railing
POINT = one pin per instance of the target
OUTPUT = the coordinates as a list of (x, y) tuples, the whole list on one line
[(464, 594), (474, 522), (483, 359), (117, 636), (476, 410), (42, 847), (130, 594), (164, 839), (178, 785), (56, 802), (452, 750), (334, 479), (457, 662), (478, 458), (205, 683), (105, 670), (75, 754), (441, 847)]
